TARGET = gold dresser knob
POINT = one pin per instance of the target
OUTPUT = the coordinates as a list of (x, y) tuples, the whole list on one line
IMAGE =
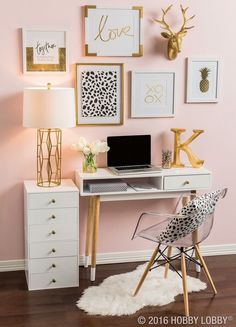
[(53, 265), (53, 217), (53, 280), (53, 201), (53, 250), (53, 232), (186, 183)]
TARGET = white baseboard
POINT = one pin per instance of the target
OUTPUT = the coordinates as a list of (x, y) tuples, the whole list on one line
[(130, 256)]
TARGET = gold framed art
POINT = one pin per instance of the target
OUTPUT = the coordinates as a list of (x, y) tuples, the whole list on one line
[(44, 51), (99, 93), (113, 31)]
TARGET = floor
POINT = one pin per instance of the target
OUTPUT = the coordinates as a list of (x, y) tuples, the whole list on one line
[(21, 308)]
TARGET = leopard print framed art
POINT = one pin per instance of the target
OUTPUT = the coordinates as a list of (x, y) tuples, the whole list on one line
[(99, 93)]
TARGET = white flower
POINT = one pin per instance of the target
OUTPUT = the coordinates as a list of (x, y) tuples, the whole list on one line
[(98, 147), (104, 147), (95, 147), (86, 150)]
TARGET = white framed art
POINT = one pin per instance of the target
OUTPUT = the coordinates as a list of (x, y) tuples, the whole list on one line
[(202, 80), (99, 93), (113, 31), (153, 94), (44, 50)]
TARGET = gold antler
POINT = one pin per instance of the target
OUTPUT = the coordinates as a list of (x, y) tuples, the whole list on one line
[(184, 28), (163, 23)]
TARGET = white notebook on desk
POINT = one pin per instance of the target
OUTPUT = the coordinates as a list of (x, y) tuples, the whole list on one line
[(139, 187)]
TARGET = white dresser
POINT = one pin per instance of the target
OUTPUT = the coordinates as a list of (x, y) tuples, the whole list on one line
[(51, 235)]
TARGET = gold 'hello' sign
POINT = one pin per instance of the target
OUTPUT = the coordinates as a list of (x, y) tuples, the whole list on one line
[(178, 146)]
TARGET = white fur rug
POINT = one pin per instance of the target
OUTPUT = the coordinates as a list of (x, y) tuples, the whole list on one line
[(113, 297)]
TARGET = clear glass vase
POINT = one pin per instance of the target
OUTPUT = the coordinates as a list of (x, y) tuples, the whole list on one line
[(89, 164)]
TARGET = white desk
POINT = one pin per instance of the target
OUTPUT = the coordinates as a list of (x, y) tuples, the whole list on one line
[(169, 183)]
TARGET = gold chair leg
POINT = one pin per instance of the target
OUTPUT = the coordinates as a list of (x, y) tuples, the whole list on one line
[(184, 280), (150, 263), (205, 269), (167, 265)]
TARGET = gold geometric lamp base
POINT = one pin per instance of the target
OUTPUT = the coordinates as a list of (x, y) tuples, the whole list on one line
[(49, 157)]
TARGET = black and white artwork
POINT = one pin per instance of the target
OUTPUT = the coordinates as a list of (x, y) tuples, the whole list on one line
[(99, 94)]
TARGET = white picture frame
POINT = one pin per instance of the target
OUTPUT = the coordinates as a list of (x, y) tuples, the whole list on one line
[(200, 87), (45, 50), (153, 94), (99, 93), (113, 31)]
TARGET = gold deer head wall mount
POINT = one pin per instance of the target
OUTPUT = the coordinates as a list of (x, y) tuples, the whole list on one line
[(174, 38)]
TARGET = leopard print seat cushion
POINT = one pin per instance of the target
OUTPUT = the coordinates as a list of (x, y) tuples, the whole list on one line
[(196, 212)]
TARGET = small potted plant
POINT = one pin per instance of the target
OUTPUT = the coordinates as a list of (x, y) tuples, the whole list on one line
[(90, 151)]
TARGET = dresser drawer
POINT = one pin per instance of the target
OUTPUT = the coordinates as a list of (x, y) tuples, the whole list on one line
[(188, 182), (39, 266), (52, 216), (67, 278), (53, 249), (53, 200), (53, 232)]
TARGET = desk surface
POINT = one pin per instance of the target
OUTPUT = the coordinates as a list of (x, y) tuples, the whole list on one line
[(105, 173)]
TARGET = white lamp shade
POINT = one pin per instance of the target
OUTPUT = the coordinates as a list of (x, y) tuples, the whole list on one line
[(49, 108)]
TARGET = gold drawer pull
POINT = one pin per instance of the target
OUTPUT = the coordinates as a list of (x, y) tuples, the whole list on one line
[(53, 265), (53, 250), (53, 232), (53, 280), (53, 201), (186, 183), (53, 217)]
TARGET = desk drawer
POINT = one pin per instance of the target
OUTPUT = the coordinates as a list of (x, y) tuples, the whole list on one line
[(67, 278), (52, 216), (188, 182), (52, 265), (53, 232), (53, 200), (53, 249)]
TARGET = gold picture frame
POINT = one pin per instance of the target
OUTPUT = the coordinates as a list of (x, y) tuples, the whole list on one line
[(102, 38), (99, 94), (44, 51)]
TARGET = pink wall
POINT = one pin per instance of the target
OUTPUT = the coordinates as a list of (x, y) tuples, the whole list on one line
[(213, 36)]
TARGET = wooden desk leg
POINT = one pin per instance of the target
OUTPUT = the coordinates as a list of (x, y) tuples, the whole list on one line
[(96, 211), (89, 231)]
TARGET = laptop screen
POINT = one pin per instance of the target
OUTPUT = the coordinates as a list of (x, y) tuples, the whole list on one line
[(129, 150)]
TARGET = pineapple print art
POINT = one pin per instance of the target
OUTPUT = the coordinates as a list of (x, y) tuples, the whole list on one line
[(204, 83)]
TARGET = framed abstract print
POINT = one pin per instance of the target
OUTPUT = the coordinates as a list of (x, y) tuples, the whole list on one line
[(203, 80), (153, 94), (100, 92), (113, 31), (45, 51)]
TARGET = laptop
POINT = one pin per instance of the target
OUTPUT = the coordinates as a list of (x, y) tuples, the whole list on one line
[(130, 155)]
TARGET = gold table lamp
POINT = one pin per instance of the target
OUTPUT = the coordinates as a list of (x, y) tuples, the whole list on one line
[(49, 109)]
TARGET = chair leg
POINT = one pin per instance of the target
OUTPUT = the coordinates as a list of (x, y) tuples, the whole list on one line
[(184, 280), (205, 269), (150, 263), (167, 265)]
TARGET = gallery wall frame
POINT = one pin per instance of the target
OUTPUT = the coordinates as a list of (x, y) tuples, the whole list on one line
[(99, 93), (113, 31), (202, 80), (153, 94), (45, 50)]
